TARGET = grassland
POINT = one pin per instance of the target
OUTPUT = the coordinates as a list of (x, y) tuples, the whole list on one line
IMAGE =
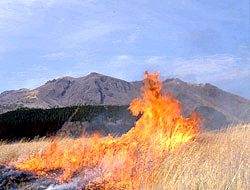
[(18, 150), (215, 160)]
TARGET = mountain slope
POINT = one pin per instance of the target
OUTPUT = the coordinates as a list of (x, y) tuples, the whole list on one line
[(213, 103), (66, 91), (92, 89)]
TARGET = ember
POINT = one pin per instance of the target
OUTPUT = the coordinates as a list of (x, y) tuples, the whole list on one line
[(125, 162)]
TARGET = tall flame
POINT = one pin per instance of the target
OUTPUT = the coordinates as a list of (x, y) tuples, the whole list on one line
[(125, 162)]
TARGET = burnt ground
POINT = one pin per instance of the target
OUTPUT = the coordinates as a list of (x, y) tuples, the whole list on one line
[(12, 179)]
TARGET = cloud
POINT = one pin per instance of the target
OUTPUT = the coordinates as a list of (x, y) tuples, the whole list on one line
[(34, 76), (208, 41), (2, 49), (25, 9), (43, 2), (34, 82), (211, 68), (199, 69), (16, 9), (123, 57), (157, 60), (13, 12), (140, 61), (134, 36), (119, 61), (56, 55), (91, 30)]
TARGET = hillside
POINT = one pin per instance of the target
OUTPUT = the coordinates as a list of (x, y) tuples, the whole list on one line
[(69, 121), (67, 91), (217, 106)]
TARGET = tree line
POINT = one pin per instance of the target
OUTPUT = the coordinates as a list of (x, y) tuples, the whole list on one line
[(29, 123)]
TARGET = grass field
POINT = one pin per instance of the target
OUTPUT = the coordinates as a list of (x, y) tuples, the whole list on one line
[(18, 150), (213, 161), (219, 160)]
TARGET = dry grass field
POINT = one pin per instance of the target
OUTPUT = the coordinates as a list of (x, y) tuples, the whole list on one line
[(20, 150), (219, 160), (14, 151), (213, 161)]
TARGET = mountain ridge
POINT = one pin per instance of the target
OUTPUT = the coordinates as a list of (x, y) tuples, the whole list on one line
[(99, 89)]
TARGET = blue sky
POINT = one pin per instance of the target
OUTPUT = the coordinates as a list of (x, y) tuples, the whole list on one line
[(202, 41)]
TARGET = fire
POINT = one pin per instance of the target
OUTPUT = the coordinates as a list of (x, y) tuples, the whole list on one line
[(125, 162)]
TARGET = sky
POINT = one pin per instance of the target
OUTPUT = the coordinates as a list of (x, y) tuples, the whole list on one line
[(197, 41)]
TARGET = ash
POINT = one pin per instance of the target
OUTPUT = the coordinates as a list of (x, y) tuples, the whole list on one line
[(12, 179), (73, 185)]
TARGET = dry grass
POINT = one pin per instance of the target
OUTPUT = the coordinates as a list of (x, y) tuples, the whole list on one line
[(14, 151), (213, 161), (22, 149)]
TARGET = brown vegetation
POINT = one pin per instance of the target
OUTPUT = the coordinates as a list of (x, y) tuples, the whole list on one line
[(218, 160), (213, 161)]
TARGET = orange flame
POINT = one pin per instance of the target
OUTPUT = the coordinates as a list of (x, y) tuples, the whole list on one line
[(125, 162)]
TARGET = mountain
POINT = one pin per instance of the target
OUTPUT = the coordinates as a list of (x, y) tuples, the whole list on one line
[(66, 91), (215, 105)]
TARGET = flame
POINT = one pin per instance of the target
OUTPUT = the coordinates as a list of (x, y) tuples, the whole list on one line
[(125, 162)]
